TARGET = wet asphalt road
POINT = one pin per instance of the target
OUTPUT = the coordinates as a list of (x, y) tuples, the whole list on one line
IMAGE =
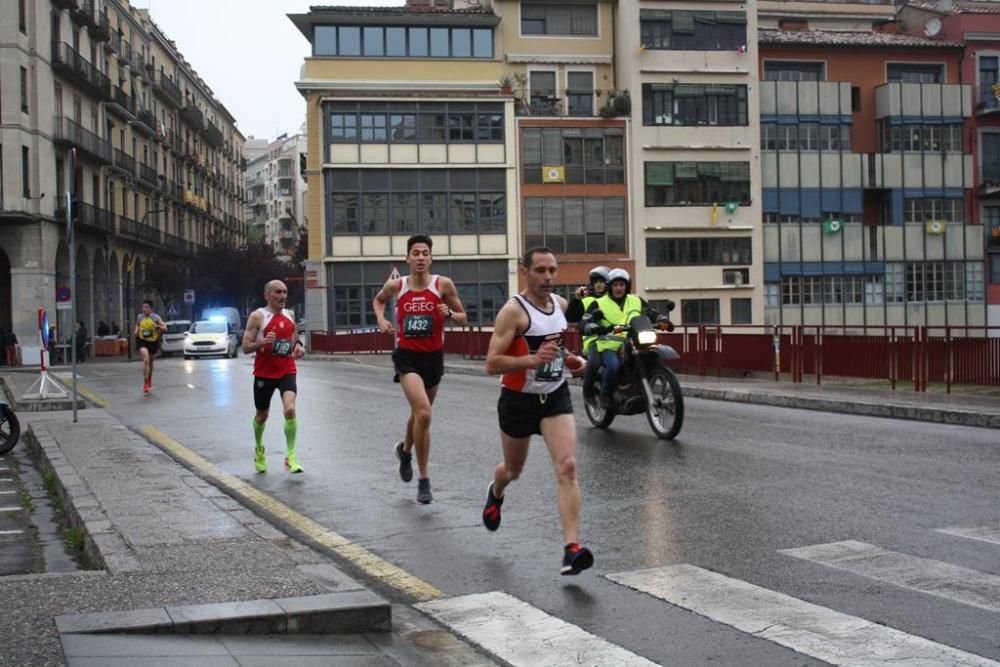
[(740, 483)]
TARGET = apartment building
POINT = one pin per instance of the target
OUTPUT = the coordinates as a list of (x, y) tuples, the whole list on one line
[(276, 193), (691, 68), (867, 171), (407, 133), (157, 172)]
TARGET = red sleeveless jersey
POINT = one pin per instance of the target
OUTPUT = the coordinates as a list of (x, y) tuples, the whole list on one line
[(275, 361), (419, 324)]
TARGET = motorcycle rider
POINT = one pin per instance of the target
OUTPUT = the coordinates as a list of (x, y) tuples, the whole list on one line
[(585, 296), (617, 307)]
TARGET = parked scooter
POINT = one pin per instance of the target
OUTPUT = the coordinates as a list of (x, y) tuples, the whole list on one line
[(10, 428), (645, 384)]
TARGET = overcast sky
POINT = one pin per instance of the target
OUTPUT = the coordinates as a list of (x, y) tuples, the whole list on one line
[(248, 53)]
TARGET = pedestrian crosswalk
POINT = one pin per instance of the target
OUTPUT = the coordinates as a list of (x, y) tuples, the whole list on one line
[(521, 634), (983, 533)]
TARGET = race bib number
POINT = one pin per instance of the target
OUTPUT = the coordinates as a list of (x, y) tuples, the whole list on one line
[(282, 348), (551, 371), (418, 326), (146, 333)]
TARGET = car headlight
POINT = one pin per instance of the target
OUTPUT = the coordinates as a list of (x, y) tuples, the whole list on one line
[(647, 337)]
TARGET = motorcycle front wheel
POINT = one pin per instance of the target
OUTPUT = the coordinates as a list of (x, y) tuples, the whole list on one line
[(10, 429), (596, 413), (666, 411)]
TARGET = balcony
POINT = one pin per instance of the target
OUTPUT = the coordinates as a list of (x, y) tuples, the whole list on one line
[(923, 100), (138, 231), (69, 133), (121, 104), (177, 245), (65, 4), (892, 171), (124, 162), (100, 31), (88, 216), (987, 100), (67, 61), (169, 90), (148, 175), (83, 13), (114, 44), (576, 104), (213, 135), (193, 116), (989, 188), (145, 122), (125, 53)]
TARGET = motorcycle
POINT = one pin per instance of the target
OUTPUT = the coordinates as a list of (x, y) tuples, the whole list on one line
[(10, 428), (644, 383)]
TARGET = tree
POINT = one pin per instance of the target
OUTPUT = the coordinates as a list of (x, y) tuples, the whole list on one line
[(226, 275)]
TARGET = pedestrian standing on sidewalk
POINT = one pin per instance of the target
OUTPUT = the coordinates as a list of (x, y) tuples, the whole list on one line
[(527, 348), (148, 329), (424, 302), (272, 336)]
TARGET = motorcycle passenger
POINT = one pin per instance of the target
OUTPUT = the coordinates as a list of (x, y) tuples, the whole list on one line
[(585, 296), (617, 307)]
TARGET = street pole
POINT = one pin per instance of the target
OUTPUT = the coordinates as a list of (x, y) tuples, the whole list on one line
[(71, 240)]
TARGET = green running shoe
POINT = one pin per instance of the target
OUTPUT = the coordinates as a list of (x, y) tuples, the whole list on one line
[(292, 464), (259, 462)]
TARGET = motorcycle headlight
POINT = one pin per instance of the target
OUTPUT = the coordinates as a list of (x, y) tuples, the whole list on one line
[(647, 337)]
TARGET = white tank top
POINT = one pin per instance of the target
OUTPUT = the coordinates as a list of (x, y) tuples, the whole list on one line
[(542, 327)]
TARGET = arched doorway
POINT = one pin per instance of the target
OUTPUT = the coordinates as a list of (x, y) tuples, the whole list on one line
[(102, 300), (6, 302), (115, 291), (83, 292), (64, 328)]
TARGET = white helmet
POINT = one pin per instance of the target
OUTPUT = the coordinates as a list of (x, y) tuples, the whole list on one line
[(620, 274)]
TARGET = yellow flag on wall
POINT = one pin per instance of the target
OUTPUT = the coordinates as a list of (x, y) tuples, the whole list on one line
[(715, 213), (554, 174), (935, 227)]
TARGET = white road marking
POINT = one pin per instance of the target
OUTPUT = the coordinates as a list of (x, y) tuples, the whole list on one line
[(10, 509), (11, 532), (988, 533), (810, 629), (7, 493), (952, 582), (521, 634)]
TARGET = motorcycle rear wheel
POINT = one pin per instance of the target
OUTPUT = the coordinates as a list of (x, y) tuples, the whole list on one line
[(10, 429), (666, 414)]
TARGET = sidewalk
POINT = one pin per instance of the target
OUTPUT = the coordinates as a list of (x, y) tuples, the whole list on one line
[(960, 409), (181, 560)]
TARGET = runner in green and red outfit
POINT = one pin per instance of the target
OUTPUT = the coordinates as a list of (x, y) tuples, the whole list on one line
[(148, 328), (271, 334)]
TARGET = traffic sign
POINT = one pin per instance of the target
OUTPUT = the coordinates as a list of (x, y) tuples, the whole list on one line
[(189, 296), (64, 293), (64, 305), (172, 311), (394, 274)]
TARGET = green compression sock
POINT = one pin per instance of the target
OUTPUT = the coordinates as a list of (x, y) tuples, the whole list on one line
[(291, 428), (258, 433)]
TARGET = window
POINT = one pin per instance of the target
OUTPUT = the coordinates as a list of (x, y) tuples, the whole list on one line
[(24, 90), (693, 104), (703, 251), (974, 284), (398, 42), (22, 17), (575, 224), (736, 277), (542, 86), (741, 311), (855, 99), (919, 138), (588, 155), (682, 30), (873, 291), (699, 311), (919, 211), (400, 122), (580, 93), (374, 41), (991, 157), (934, 281), (564, 20), (696, 183), (995, 269), (772, 294), (768, 136), (808, 136), (786, 70), (835, 137), (25, 172), (914, 73), (439, 43), (395, 42), (325, 40), (418, 42), (988, 76), (349, 40), (405, 201)]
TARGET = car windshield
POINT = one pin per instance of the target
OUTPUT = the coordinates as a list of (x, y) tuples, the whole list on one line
[(208, 327), (178, 327)]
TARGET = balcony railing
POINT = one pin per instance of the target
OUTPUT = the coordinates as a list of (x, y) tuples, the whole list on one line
[(138, 231), (987, 100), (83, 13), (125, 52), (124, 162), (68, 132), (176, 244), (148, 174), (67, 60), (213, 135), (147, 120), (115, 43), (100, 31), (87, 215), (193, 116), (121, 102), (65, 4), (170, 91)]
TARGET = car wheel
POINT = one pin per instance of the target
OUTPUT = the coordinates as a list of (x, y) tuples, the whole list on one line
[(187, 357)]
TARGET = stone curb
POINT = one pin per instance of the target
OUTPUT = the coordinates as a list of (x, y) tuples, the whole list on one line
[(14, 391), (332, 613), (893, 411)]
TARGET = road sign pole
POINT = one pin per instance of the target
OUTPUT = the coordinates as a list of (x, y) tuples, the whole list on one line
[(71, 240)]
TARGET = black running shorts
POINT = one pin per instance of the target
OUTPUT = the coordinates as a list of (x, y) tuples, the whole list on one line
[(263, 389), (152, 345), (521, 414), (428, 365)]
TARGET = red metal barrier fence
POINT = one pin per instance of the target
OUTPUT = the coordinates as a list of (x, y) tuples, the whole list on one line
[(948, 355)]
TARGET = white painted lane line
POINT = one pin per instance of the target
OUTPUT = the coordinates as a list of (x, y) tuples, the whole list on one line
[(7, 493), (961, 584), (10, 509), (11, 532), (990, 533), (521, 634), (810, 629)]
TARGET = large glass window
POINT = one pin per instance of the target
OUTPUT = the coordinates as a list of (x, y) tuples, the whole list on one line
[(787, 70), (396, 122), (539, 18), (575, 224), (741, 311), (694, 104), (913, 137), (698, 251), (933, 209), (989, 74), (407, 201), (580, 93), (587, 155), (934, 281), (398, 42), (991, 157), (914, 73), (683, 30), (699, 311), (697, 183)]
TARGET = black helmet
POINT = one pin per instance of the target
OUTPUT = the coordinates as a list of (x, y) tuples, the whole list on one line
[(599, 273)]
